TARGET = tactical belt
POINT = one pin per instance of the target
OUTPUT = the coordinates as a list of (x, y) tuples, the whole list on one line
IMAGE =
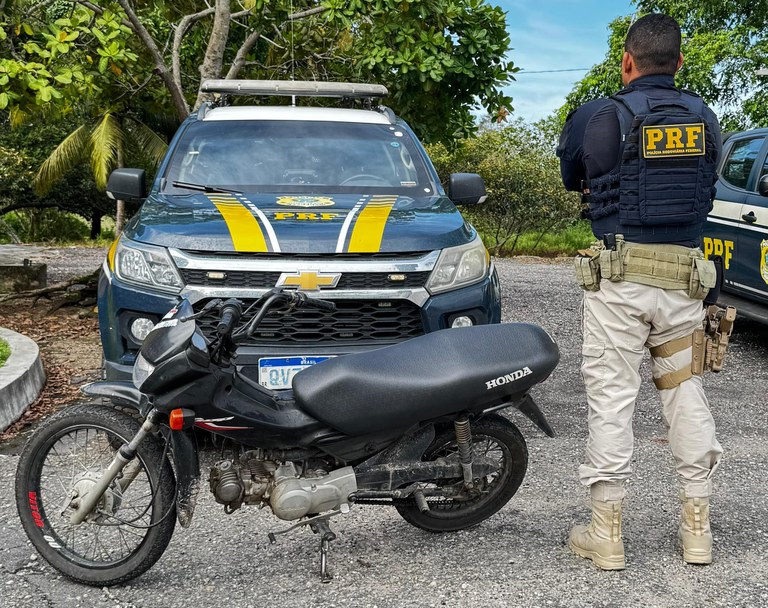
[(664, 266)]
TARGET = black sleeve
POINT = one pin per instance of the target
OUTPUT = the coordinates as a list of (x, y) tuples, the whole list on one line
[(569, 152), (602, 141)]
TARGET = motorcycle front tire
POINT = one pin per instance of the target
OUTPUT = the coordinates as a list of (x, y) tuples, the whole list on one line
[(44, 515)]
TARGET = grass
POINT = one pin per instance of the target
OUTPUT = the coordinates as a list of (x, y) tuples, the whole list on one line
[(564, 242), (5, 352)]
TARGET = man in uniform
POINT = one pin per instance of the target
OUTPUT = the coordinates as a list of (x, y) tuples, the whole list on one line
[(644, 160)]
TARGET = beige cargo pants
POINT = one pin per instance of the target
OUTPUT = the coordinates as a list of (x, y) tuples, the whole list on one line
[(620, 321)]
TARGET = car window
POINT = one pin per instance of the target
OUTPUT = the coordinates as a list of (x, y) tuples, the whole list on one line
[(300, 157), (738, 165)]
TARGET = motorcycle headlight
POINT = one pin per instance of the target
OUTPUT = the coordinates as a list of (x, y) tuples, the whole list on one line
[(142, 370), (146, 265), (459, 266)]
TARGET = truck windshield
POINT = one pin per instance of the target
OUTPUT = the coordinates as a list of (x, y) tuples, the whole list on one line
[(298, 156)]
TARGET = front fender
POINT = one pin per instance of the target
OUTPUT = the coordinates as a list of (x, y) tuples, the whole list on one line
[(122, 393), (187, 475)]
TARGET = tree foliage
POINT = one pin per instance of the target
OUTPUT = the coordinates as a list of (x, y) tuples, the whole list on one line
[(522, 176), (22, 151), (438, 57), (724, 44)]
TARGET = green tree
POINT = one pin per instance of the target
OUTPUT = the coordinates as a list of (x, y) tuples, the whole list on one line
[(438, 57), (77, 65), (522, 176), (724, 43), (22, 151)]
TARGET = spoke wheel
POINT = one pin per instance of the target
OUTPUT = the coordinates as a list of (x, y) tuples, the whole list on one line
[(134, 520), (493, 437)]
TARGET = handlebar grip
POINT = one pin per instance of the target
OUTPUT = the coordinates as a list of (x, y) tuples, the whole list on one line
[(325, 305), (227, 322)]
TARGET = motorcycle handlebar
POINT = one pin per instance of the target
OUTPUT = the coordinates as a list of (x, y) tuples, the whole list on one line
[(232, 310), (325, 305)]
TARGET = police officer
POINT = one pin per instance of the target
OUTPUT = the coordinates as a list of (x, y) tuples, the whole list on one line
[(644, 160)]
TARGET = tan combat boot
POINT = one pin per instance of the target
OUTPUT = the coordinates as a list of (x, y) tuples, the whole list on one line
[(695, 534), (601, 541)]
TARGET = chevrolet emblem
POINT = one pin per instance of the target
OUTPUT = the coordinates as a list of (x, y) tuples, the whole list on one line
[(309, 280)]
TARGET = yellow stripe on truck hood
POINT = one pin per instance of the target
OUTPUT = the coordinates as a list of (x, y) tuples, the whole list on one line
[(370, 224), (244, 229)]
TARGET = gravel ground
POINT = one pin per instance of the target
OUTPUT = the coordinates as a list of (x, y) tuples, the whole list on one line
[(518, 557)]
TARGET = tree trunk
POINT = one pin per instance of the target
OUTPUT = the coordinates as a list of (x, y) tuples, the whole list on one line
[(120, 212), (214, 55), (95, 225)]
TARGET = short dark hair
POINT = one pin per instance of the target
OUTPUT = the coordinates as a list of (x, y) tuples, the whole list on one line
[(654, 43)]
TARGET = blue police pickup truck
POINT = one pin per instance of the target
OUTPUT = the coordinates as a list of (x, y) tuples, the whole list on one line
[(737, 227), (253, 197)]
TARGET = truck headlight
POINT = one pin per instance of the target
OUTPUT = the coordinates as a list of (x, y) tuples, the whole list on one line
[(459, 266), (146, 265)]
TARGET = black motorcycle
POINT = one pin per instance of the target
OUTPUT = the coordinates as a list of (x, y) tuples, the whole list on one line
[(99, 487)]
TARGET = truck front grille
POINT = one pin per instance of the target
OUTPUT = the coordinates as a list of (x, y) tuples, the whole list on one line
[(353, 323), (267, 280)]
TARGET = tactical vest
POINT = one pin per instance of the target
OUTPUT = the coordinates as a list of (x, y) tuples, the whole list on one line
[(663, 186)]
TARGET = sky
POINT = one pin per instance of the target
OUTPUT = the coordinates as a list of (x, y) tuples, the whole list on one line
[(555, 35)]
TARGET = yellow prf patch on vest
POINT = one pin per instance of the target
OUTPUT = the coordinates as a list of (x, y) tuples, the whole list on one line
[(673, 140)]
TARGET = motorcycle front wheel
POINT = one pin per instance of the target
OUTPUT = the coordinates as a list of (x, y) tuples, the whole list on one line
[(133, 522), (493, 437)]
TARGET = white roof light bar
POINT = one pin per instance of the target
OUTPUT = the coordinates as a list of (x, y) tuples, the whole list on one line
[(299, 88)]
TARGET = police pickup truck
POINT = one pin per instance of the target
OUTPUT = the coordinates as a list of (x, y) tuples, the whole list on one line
[(737, 227), (335, 200)]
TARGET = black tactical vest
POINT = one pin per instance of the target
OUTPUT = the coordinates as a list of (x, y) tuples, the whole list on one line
[(663, 186)]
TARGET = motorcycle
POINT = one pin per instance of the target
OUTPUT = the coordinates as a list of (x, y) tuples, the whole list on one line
[(416, 425)]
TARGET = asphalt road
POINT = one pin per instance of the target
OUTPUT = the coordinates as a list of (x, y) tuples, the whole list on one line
[(518, 557)]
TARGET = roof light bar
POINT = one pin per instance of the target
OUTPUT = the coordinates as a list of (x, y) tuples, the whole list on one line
[(299, 88)]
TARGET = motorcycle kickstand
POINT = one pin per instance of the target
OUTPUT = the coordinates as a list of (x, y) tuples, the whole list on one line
[(327, 535)]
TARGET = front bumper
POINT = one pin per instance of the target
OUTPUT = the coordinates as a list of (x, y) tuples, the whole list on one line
[(119, 301)]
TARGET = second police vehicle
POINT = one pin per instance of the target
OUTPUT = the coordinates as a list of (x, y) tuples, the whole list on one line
[(737, 227)]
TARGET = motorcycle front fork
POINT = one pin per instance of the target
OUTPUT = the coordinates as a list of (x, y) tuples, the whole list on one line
[(86, 504)]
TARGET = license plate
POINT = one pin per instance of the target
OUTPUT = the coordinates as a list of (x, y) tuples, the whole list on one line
[(276, 373)]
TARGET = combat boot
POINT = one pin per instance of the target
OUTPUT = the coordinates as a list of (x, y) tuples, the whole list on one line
[(695, 534), (601, 541)]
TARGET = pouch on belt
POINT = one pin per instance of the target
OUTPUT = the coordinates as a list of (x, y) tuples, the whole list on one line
[(587, 266)]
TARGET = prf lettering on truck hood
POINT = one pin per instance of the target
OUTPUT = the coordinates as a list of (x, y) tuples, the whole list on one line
[(278, 223)]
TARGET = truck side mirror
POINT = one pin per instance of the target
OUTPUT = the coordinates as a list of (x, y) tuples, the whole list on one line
[(762, 186), (127, 184), (466, 189)]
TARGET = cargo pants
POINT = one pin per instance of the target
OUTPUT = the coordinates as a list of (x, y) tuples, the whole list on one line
[(620, 321)]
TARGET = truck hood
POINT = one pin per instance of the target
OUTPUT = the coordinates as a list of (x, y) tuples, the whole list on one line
[(299, 224)]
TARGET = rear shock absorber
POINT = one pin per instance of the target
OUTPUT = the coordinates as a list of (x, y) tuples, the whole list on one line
[(464, 443)]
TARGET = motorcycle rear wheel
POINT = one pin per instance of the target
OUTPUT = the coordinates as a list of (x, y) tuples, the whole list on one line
[(492, 436), (65, 455)]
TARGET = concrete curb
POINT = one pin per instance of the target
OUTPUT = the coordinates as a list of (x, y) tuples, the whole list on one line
[(21, 378)]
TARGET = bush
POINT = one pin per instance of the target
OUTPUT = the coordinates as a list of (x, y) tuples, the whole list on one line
[(522, 176), (45, 225)]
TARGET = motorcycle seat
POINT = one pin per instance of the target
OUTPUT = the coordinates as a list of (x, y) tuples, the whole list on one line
[(434, 375)]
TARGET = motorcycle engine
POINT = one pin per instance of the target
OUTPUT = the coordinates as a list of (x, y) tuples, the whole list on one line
[(291, 496)]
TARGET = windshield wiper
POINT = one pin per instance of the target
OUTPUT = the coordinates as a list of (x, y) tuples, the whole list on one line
[(204, 187)]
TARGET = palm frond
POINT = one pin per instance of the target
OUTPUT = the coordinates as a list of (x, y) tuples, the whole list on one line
[(106, 145), (67, 155), (152, 146)]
